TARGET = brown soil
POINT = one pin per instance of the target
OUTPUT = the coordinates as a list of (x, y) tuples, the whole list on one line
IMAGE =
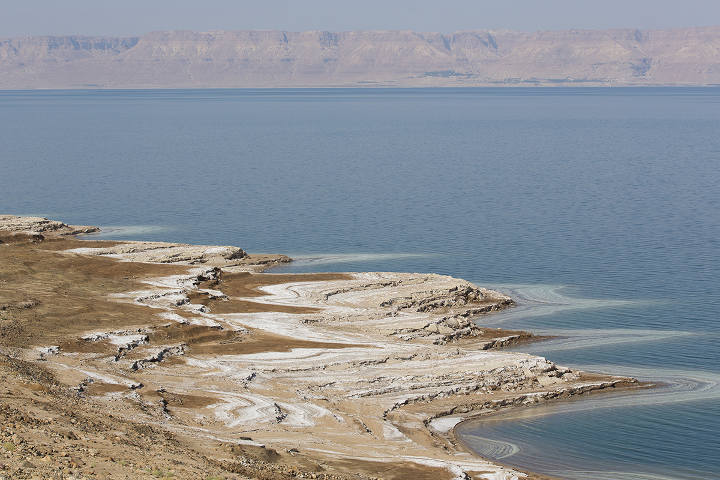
[(246, 284), (50, 296), (50, 431), (211, 341), (232, 305)]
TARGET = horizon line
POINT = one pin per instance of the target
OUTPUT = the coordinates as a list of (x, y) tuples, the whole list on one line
[(260, 30)]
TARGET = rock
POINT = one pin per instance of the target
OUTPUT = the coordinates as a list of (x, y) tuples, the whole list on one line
[(39, 227), (44, 352), (159, 356), (177, 253), (444, 329)]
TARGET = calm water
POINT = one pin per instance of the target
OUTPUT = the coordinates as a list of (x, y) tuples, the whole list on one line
[(599, 210)]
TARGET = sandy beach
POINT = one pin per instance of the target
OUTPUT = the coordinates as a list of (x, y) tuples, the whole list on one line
[(163, 360)]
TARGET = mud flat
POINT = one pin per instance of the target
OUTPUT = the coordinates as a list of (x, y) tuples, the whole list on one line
[(151, 360)]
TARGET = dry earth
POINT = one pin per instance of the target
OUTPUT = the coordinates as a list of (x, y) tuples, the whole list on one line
[(151, 360)]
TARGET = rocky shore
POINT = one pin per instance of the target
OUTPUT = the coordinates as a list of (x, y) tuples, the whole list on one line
[(160, 360)]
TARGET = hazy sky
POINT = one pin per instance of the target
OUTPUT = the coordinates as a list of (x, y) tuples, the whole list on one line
[(130, 17)]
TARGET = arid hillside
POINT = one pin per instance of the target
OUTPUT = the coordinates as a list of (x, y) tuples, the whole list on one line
[(185, 59)]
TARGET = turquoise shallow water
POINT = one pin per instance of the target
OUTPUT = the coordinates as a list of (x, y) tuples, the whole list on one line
[(598, 209)]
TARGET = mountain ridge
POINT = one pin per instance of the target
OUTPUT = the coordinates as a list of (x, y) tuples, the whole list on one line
[(273, 58)]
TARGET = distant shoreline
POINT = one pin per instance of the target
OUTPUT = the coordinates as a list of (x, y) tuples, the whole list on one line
[(280, 59), (508, 87)]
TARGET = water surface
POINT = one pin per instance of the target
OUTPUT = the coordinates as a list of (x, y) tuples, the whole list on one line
[(598, 209)]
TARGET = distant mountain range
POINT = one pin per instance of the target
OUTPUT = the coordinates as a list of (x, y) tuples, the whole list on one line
[(183, 59)]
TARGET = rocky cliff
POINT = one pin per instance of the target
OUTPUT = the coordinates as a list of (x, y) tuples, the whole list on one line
[(688, 56)]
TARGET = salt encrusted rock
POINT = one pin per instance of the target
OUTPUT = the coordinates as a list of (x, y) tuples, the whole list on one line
[(159, 356), (41, 226), (44, 352), (161, 252)]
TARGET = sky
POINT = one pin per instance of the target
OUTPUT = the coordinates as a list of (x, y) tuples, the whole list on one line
[(134, 17)]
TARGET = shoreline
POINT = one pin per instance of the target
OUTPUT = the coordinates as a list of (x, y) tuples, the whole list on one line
[(456, 436), (372, 357), (370, 88), (502, 87)]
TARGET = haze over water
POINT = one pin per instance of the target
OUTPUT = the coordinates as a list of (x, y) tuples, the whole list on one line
[(597, 209)]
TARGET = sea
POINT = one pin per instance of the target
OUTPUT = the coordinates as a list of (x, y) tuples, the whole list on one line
[(597, 209)]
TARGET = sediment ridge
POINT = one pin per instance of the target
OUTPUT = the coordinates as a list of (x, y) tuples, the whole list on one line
[(162, 360)]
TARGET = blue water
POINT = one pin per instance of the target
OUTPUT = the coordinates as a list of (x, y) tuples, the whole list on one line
[(598, 209)]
